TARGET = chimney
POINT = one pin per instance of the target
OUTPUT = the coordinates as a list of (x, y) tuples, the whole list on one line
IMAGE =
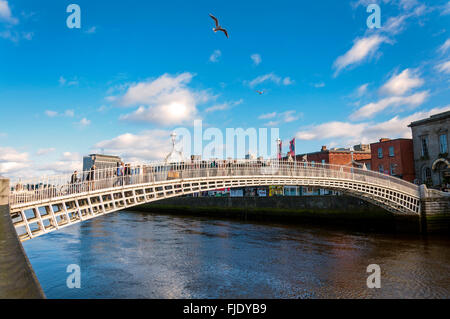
[(324, 148), (384, 139)]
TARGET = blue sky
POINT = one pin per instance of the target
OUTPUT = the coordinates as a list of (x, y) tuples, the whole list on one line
[(136, 70)]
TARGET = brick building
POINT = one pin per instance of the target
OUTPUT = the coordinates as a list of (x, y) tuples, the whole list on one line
[(394, 157), (339, 156)]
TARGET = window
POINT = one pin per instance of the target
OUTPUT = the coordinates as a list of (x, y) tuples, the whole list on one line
[(381, 168), (426, 174), (380, 153), (392, 169), (425, 146), (323, 161), (391, 151), (312, 163), (368, 166), (443, 148)]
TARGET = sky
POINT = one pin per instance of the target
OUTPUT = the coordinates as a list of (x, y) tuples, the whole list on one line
[(137, 70)]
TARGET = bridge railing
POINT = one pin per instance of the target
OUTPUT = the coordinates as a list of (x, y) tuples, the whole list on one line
[(49, 187)]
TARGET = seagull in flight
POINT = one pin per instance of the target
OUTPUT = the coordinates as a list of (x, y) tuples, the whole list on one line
[(218, 27), (260, 92)]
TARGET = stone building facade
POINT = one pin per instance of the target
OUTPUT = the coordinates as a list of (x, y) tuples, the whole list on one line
[(431, 150)]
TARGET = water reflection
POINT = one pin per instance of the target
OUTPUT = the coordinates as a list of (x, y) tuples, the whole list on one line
[(139, 255)]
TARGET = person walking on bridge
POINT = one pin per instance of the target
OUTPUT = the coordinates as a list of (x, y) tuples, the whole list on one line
[(91, 178), (74, 182)]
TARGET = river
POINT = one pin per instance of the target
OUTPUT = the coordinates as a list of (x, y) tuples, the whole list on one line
[(142, 255)]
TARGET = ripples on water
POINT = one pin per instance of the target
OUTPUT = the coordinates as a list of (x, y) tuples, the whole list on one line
[(141, 255)]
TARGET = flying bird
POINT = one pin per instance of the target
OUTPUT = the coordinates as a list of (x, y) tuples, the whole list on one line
[(218, 27), (259, 92)]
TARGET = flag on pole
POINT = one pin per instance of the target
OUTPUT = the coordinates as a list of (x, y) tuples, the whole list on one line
[(292, 147), (280, 147)]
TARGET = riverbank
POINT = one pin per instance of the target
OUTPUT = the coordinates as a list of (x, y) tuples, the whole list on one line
[(324, 210)]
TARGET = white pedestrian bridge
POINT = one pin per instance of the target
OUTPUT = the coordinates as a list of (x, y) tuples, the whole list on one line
[(40, 206)]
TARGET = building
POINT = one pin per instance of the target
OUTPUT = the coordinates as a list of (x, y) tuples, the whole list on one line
[(250, 156), (340, 156), (100, 161), (358, 157), (431, 158), (394, 157)]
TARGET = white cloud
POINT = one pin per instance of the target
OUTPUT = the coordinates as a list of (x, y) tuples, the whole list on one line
[(272, 77), (446, 9), (408, 4), (16, 36), (63, 81), (91, 30), (369, 110), (361, 49), (444, 47), (67, 113), (164, 101), (28, 35), (444, 67), (11, 160), (45, 151), (400, 84), (50, 113), (319, 85), (143, 147), (223, 106), (290, 116), (84, 122), (66, 164), (366, 132), (256, 58), (287, 81), (331, 130), (279, 118), (395, 25), (361, 90), (267, 116), (5, 13), (215, 56)]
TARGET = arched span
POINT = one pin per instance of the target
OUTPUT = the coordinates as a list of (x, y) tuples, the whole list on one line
[(46, 209)]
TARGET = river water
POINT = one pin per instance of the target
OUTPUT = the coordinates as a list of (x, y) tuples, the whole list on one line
[(143, 255)]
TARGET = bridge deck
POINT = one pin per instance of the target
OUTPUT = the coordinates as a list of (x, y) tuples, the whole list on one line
[(43, 205)]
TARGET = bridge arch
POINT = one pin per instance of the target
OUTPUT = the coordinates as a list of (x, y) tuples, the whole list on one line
[(53, 208)]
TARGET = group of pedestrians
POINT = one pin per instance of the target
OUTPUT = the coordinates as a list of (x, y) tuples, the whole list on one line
[(89, 178), (123, 173)]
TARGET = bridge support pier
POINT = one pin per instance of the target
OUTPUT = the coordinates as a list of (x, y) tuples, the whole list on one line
[(435, 210), (17, 278)]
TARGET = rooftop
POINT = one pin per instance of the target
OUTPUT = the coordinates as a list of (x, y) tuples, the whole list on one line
[(384, 140), (432, 118), (103, 155)]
